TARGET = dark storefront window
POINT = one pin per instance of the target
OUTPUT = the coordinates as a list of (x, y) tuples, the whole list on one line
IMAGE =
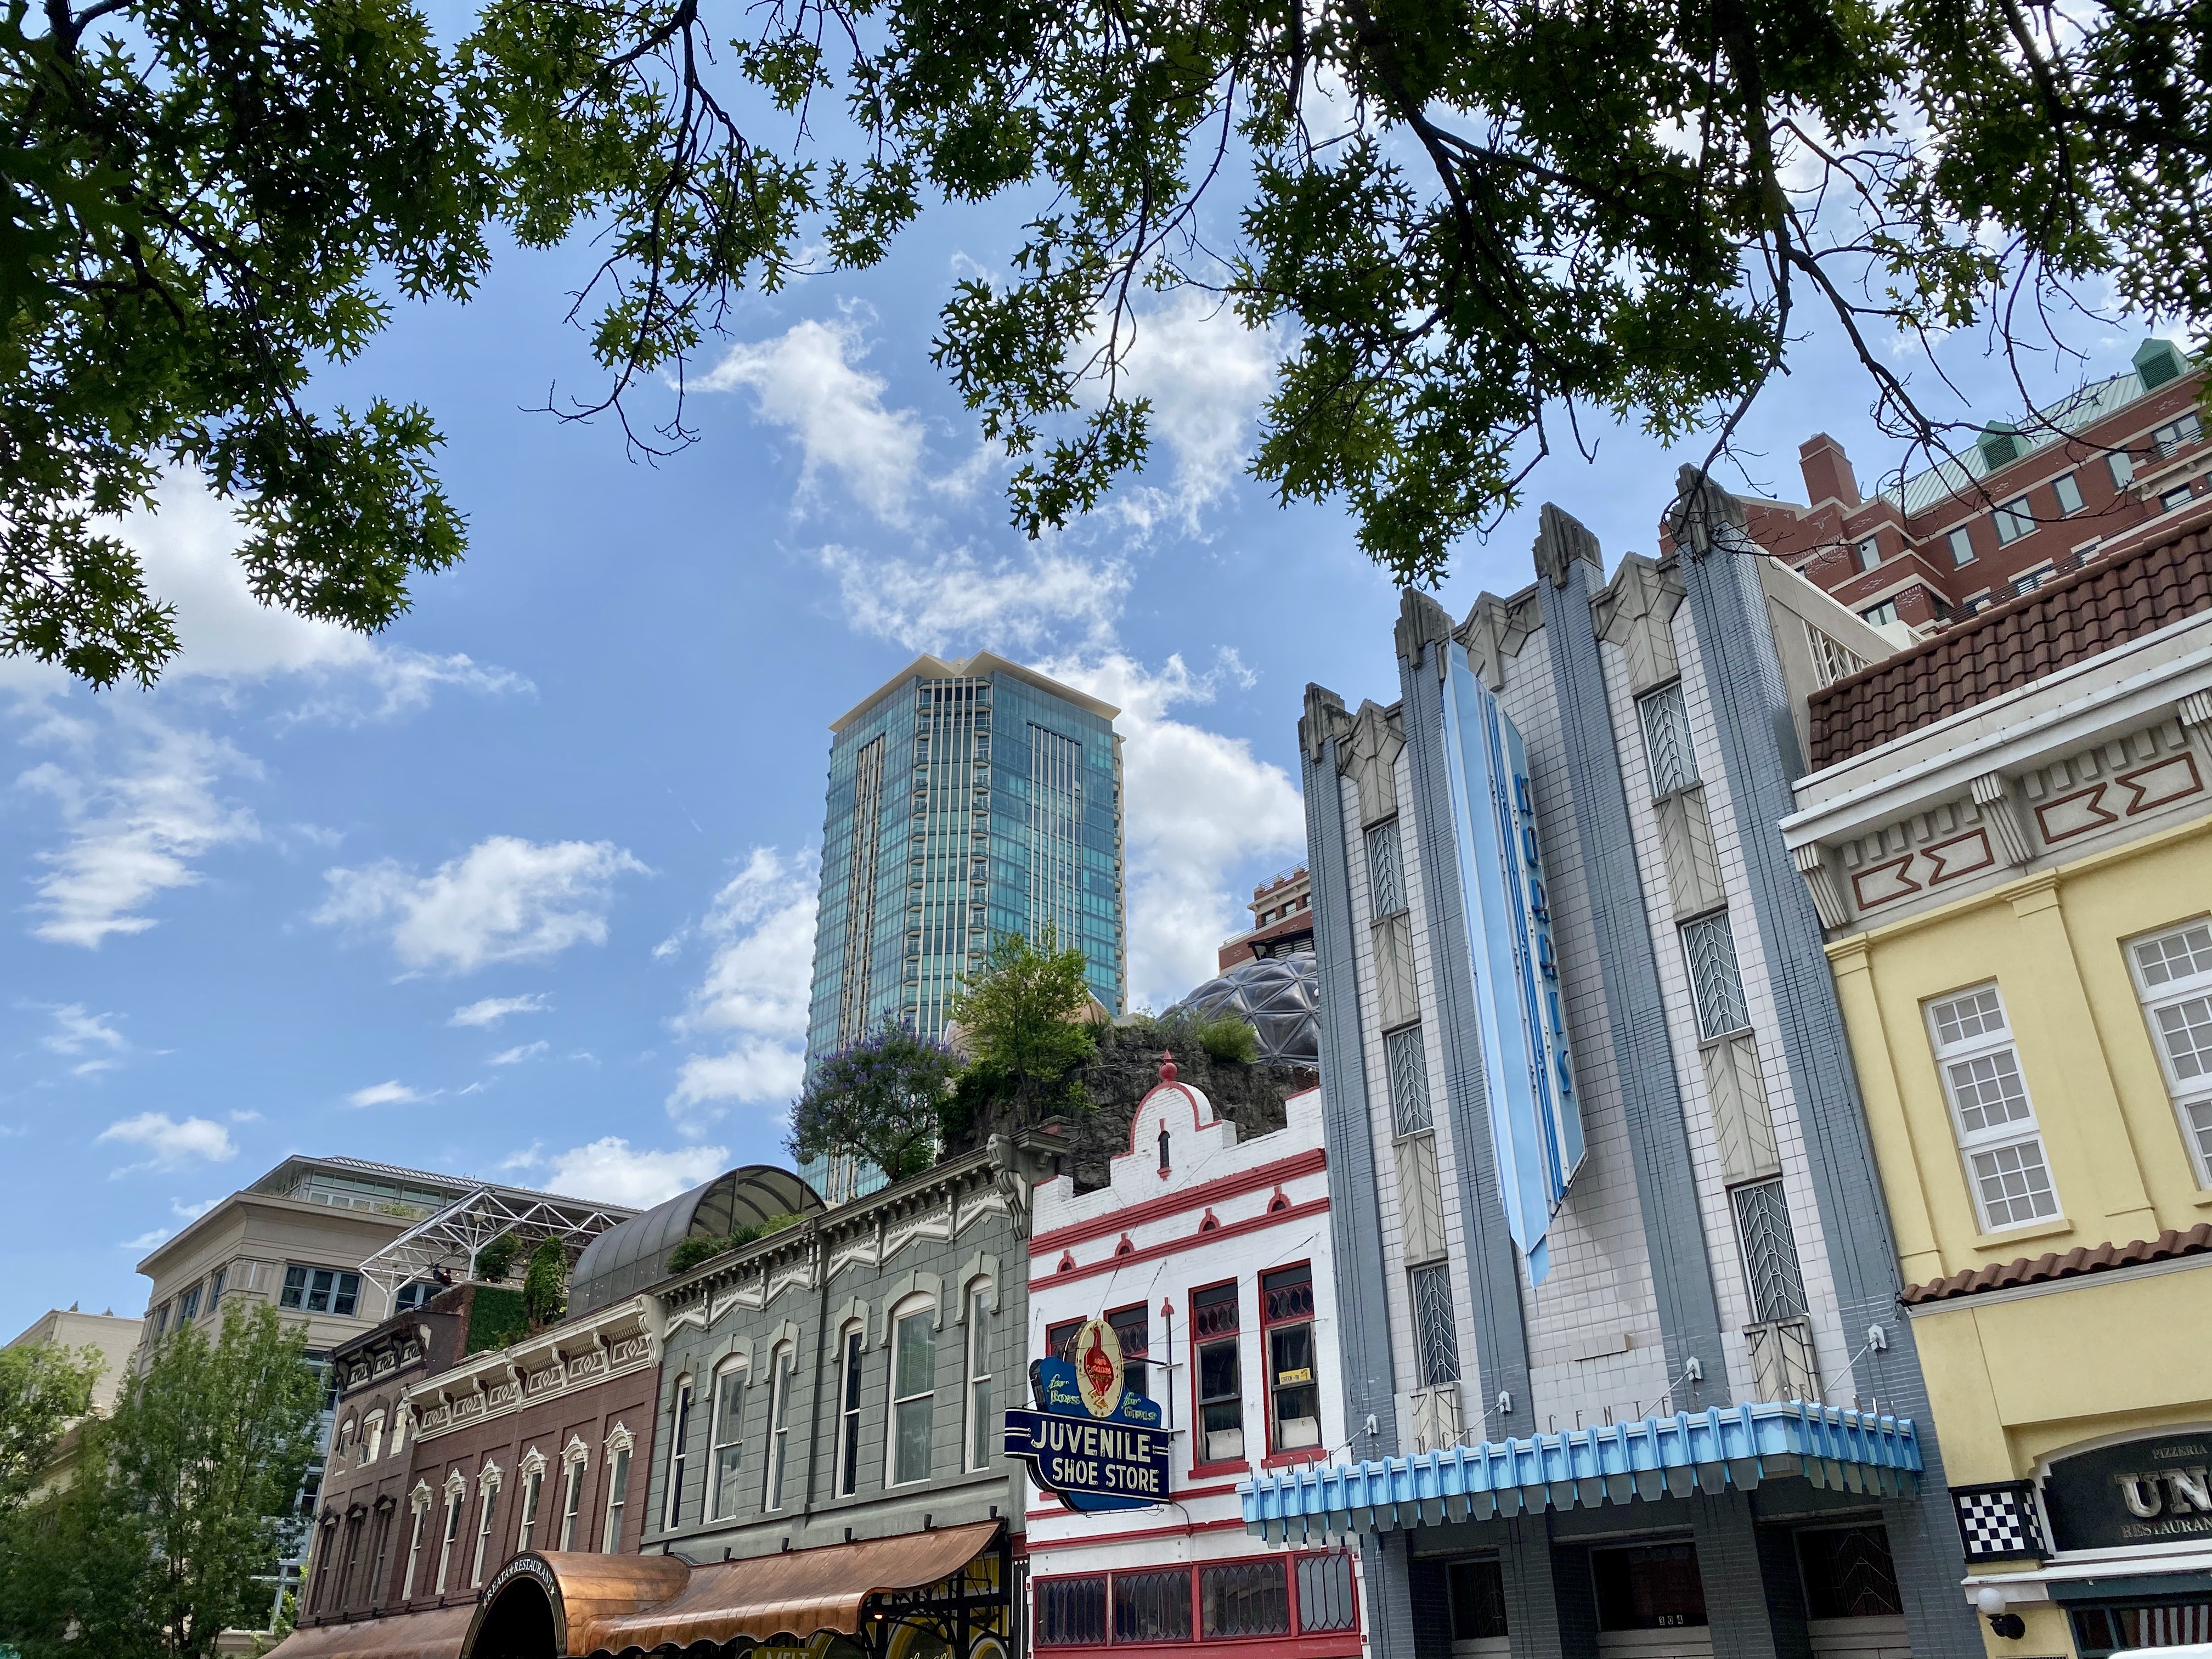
[(2102, 1630), (1478, 1599), (1649, 1586), (1848, 1573), (1325, 1593), (1152, 1607), (1244, 1598), (1071, 1612)]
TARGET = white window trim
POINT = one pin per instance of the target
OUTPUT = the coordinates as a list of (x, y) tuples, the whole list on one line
[(575, 1463), (782, 1373), (531, 1471), (487, 1498), (621, 1447), (2019, 1132), (371, 1427), (921, 1302), (2184, 1093), (978, 1288), (852, 1378), (418, 1504), (720, 1436), (449, 1529), (679, 1429)]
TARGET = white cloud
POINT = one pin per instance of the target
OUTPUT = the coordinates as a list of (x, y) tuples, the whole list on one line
[(145, 1241), (505, 900), (170, 1144), (755, 989), (1199, 807), (390, 1093), (492, 1010), (805, 380), (74, 1030), (133, 832), (184, 1212), (517, 1054), (956, 603), (1207, 375), (614, 1172)]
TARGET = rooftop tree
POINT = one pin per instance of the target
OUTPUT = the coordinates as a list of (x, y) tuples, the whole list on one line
[(878, 1100)]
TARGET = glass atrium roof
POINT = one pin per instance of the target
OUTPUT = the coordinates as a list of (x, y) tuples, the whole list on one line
[(1277, 995), (624, 1259)]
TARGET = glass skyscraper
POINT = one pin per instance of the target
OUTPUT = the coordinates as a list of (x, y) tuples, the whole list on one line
[(967, 800)]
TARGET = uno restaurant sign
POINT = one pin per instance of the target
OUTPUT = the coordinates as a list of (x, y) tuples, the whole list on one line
[(1090, 1440), (2151, 1491)]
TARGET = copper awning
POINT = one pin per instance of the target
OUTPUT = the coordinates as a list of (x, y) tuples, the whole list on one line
[(798, 1594), (434, 1633)]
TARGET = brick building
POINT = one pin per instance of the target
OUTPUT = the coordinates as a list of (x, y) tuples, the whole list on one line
[(1282, 919), (2097, 474)]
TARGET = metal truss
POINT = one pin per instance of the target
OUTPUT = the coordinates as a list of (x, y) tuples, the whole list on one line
[(450, 1237)]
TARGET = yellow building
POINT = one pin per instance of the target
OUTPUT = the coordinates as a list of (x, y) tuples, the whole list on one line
[(2008, 833)]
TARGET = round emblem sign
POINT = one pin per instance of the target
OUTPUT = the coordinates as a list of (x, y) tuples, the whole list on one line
[(1098, 1367)]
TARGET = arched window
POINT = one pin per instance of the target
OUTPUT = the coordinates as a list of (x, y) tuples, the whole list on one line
[(726, 1436), (982, 1305), (532, 1470), (457, 1491), (913, 1389), (618, 1446), (419, 1503), (679, 1450), (487, 1502), (851, 1346), (373, 1437), (571, 1491), (781, 1363)]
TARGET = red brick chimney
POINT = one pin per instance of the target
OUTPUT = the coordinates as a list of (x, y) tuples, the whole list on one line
[(1828, 472)]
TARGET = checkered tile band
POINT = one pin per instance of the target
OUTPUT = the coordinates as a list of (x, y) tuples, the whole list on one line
[(1998, 1522)]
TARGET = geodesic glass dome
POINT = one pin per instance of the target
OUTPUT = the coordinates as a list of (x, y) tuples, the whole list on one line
[(1278, 995)]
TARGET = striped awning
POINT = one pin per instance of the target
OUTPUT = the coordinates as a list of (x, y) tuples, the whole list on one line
[(1709, 1451)]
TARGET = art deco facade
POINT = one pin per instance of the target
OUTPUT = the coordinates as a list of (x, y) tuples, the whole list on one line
[(2009, 839), (967, 800), (1618, 1303)]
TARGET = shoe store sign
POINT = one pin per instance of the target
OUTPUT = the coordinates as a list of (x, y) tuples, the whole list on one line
[(2153, 1491), (1095, 1443)]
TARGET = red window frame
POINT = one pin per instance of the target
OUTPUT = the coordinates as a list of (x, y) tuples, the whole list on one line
[(1142, 1356), (1276, 1455), (1200, 1467), (1298, 1636)]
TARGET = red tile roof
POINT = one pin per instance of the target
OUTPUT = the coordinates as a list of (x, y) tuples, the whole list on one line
[(2105, 603), (2004, 1276)]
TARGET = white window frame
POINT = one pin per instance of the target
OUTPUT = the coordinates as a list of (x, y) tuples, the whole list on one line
[(372, 1428), (975, 1434), (679, 1435), (851, 1373), (532, 1468), (1877, 616), (1995, 1044), (1961, 543), (575, 1462), (619, 1447), (2169, 997), (2122, 465), (400, 1415), (457, 1494), (2014, 520), (725, 1435), (2060, 487), (1870, 553), (782, 1368), (419, 1503), (487, 1502), (921, 1305)]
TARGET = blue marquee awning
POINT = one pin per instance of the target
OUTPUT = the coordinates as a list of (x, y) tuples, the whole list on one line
[(1709, 1451)]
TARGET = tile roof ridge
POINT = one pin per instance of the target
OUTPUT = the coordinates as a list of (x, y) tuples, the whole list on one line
[(2078, 1262)]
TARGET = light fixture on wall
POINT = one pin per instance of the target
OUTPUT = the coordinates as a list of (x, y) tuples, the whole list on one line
[(1991, 1603)]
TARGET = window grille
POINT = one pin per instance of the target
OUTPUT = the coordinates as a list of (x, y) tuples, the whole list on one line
[(1709, 949), (1848, 1573), (2174, 433), (1990, 1112), (1667, 746), (1386, 879), (1071, 1612), (1831, 661), (1244, 1599), (1325, 1601), (1435, 1331), (1770, 1251), (1409, 1080), (2174, 976), (1152, 1607), (1478, 1599)]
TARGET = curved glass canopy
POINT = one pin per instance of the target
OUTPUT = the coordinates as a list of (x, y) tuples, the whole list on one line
[(624, 1259)]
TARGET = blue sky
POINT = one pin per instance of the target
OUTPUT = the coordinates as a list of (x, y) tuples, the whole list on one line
[(524, 887)]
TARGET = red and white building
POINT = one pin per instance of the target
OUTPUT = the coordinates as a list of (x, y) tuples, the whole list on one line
[(1210, 1257)]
